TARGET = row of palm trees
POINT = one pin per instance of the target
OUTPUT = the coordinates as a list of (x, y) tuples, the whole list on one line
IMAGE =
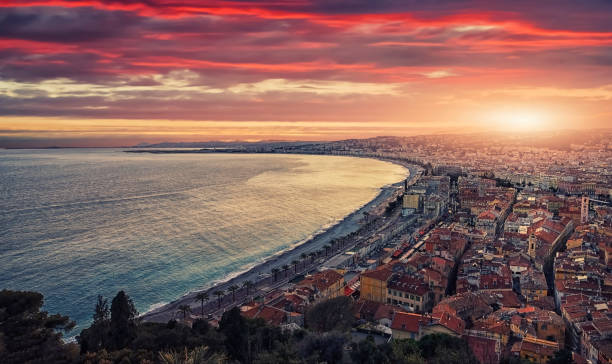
[(203, 297), (333, 245)]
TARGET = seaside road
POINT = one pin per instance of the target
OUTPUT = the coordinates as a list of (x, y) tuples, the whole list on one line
[(216, 306), (349, 235)]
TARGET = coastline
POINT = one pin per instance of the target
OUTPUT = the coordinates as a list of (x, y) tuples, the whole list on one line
[(345, 226)]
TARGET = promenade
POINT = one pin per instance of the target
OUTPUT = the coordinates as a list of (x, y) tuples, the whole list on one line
[(303, 259)]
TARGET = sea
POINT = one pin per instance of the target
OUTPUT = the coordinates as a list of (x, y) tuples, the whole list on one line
[(76, 223)]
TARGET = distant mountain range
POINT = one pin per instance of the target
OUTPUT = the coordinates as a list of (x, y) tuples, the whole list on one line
[(554, 139)]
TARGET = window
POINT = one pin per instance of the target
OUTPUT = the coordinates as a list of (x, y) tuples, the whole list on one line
[(418, 299)]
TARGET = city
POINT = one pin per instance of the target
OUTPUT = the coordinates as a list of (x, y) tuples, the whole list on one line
[(495, 245), (305, 182)]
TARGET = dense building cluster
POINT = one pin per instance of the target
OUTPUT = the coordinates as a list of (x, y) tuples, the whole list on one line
[(507, 247)]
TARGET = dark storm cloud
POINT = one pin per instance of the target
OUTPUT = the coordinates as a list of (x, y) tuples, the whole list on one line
[(56, 24), (121, 44)]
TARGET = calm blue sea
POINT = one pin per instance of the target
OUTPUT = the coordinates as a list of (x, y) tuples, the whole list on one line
[(81, 222)]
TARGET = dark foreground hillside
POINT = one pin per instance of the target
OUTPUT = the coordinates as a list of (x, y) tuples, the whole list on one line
[(29, 335)]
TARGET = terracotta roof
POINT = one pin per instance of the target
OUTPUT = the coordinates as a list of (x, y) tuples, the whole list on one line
[(405, 283), (380, 274), (385, 311), (509, 299), (451, 322), (409, 322), (271, 315), (541, 347), (487, 215), (322, 280), (365, 309)]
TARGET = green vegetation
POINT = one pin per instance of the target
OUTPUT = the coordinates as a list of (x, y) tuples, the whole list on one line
[(202, 297), (437, 348), (117, 336), (334, 314), (28, 335)]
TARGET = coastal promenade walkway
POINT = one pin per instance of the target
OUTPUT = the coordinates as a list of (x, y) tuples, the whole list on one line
[(218, 304), (223, 298)]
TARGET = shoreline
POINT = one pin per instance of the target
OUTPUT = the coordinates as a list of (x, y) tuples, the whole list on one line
[(345, 226)]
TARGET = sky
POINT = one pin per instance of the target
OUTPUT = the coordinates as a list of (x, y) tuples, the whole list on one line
[(111, 73)]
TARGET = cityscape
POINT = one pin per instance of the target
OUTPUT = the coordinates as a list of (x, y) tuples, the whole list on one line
[(305, 182), (492, 243)]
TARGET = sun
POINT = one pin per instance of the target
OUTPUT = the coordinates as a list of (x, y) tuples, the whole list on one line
[(524, 121), (517, 120)]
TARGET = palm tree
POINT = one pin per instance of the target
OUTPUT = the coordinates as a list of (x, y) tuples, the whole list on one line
[(202, 297), (219, 294), (295, 264), (285, 268), (313, 255), (303, 256), (233, 289), (185, 309), (247, 285), (327, 248), (199, 354), (275, 272)]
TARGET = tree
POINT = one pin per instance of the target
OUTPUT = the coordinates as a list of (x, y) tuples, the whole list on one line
[(28, 335), (285, 268), (367, 352), (184, 309), (202, 297), (97, 336), (333, 314), (275, 272), (102, 311), (303, 256), (406, 351), (233, 288), (219, 293), (442, 348), (248, 285), (325, 348), (295, 264), (235, 329), (197, 355), (122, 322)]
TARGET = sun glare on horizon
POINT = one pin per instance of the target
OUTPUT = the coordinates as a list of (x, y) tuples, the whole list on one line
[(519, 120)]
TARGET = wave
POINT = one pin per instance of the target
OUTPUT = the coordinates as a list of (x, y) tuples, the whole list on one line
[(264, 260), (95, 202)]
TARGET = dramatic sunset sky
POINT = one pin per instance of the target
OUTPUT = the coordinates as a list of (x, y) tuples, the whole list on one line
[(103, 73)]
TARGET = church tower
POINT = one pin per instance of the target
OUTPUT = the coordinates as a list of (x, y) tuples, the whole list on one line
[(531, 249)]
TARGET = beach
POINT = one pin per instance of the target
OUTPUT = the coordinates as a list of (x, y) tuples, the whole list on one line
[(257, 273)]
